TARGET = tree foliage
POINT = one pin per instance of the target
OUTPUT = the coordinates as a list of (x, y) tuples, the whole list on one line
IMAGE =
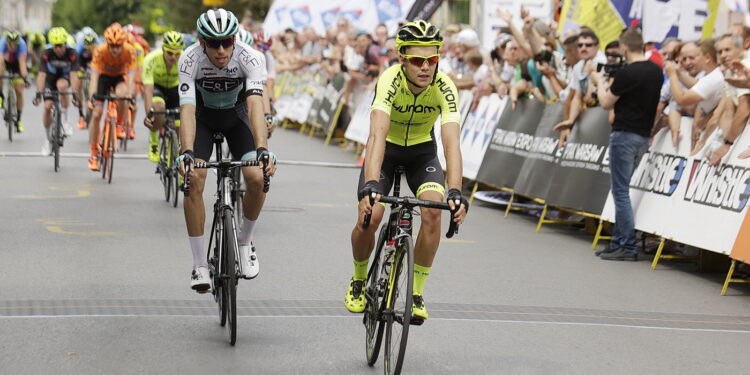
[(180, 14)]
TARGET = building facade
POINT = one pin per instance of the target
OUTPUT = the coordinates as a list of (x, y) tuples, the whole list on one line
[(26, 14)]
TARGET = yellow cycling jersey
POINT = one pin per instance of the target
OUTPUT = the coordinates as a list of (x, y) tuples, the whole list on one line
[(155, 71), (412, 117)]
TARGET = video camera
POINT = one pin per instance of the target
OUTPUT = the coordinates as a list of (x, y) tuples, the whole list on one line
[(611, 68)]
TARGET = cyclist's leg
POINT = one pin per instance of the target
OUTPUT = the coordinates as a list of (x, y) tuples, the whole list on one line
[(63, 84), (195, 213), (425, 177), (104, 86), (159, 104), (121, 90), (19, 85)]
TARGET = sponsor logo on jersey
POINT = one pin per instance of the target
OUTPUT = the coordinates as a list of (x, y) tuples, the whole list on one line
[(184, 87), (219, 84), (450, 97), (419, 108)]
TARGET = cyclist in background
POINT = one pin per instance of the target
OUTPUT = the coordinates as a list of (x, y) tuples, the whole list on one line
[(112, 68), (271, 121), (140, 54), (85, 51), (160, 80), (57, 63), (221, 89), (36, 43), (408, 98), (13, 49)]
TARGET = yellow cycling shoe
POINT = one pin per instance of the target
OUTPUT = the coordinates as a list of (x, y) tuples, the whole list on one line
[(19, 127), (355, 296), (418, 310), (153, 154)]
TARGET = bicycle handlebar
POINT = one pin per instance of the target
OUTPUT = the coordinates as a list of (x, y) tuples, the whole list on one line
[(171, 111), (110, 97), (228, 164), (412, 202)]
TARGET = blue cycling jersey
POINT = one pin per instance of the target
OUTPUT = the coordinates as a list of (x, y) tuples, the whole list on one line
[(12, 57)]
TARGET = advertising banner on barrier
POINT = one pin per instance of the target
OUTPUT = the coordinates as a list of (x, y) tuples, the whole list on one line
[(535, 176), (358, 129), (507, 149), (581, 179), (671, 191), (476, 135), (364, 15)]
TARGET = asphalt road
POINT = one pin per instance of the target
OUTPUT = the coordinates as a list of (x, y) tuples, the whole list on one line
[(95, 280)]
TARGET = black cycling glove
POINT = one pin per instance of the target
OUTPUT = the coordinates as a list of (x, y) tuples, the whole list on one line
[(455, 195), (370, 187)]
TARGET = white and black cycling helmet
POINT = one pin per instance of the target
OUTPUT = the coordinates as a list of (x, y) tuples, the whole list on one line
[(245, 36), (218, 23)]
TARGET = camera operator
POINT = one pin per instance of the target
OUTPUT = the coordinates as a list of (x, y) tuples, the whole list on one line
[(634, 95)]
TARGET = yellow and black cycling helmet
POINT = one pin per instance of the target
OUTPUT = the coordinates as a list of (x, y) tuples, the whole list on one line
[(418, 33)]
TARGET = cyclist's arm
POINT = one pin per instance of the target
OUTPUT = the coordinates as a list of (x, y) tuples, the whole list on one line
[(187, 127), (257, 120), (148, 96), (148, 83), (380, 122), (450, 134), (93, 82), (22, 65), (131, 84), (75, 67), (254, 66), (42, 75)]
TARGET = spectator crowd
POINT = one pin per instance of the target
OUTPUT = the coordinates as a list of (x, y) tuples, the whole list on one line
[(707, 80)]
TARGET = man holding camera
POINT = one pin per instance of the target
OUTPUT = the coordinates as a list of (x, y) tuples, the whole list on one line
[(634, 95)]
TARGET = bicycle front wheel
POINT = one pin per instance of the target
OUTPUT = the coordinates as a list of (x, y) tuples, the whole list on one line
[(163, 167), (56, 141), (374, 302), (11, 112), (230, 272), (398, 306)]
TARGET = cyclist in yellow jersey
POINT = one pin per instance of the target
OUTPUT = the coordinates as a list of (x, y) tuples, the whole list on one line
[(140, 55), (160, 80), (408, 99)]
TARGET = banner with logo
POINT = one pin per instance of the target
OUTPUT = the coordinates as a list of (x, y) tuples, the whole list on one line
[(509, 144), (671, 191), (363, 15), (581, 179), (535, 176)]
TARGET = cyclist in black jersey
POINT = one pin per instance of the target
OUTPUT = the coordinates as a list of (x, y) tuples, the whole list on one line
[(409, 97), (56, 65)]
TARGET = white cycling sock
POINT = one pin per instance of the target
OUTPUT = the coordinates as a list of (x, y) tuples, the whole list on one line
[(64, 112), (199, 256), (246, 233)]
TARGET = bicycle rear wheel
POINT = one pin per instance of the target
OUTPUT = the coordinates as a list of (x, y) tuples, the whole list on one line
[(230, 272), (173, 172), (398, 306), (374, 302)]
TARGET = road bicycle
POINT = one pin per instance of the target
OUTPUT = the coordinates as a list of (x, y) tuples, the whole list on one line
[(390, 280), (57, 136), (169, 150), (84, 112), (107, 145), (10, 115), (223, 249)]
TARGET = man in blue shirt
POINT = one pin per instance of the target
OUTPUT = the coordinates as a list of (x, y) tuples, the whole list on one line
[(13, 49)]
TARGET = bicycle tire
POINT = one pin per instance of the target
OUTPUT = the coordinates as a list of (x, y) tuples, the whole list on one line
[(400, 297), (237, 197), (103, 147), (173, 172), (12, 111), (57, 139), (111, 161), (230, 263), (163, 166), (218, 287), (374, 303)]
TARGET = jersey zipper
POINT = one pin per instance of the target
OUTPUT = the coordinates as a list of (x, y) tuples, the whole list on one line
[(408, 124)]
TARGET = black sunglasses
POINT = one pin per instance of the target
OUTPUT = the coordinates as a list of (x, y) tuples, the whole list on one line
[(224, 42), (585, 45)]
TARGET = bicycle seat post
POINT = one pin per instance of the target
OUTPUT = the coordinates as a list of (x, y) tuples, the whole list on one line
[(397, 180), (218, 140)]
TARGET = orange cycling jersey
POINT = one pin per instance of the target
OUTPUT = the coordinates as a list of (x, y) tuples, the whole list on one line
[(108, 65)]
